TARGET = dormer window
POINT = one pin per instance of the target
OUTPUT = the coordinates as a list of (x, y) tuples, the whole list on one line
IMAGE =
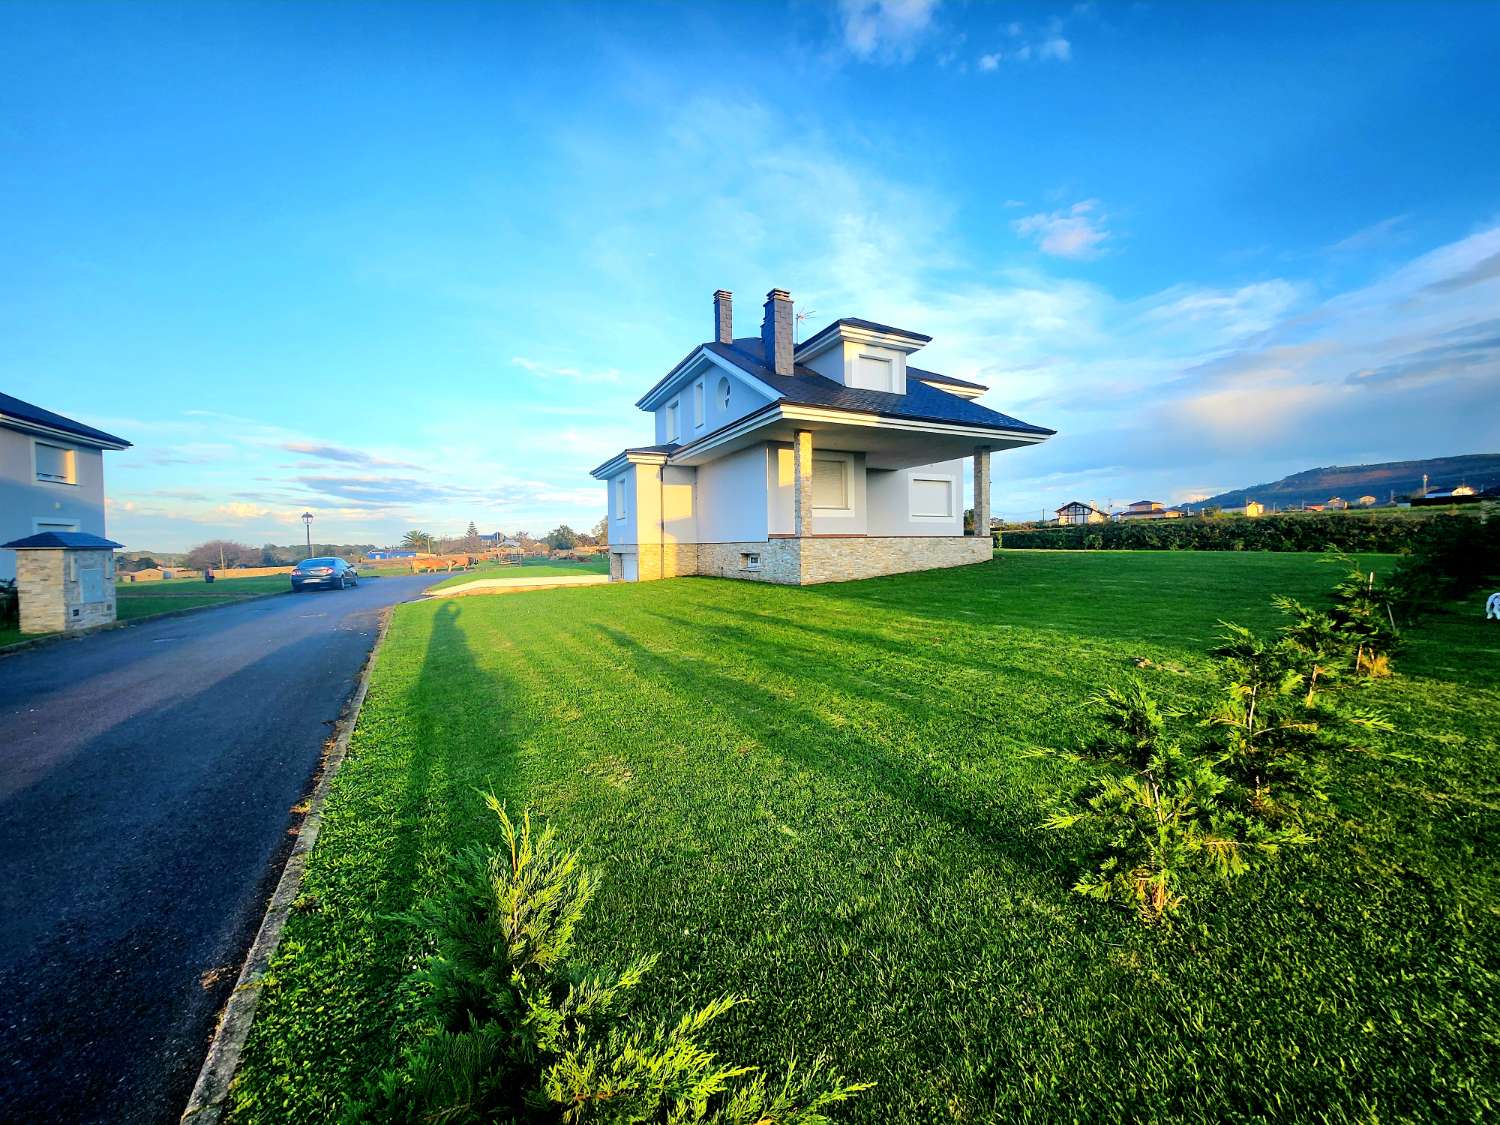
[(723, 393)]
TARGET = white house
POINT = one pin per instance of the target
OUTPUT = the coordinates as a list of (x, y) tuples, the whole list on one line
[(821, 461), (51, 475)]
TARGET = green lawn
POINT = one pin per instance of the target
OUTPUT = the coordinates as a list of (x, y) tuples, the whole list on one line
[(823, 798), (530, 568), (221, 588)]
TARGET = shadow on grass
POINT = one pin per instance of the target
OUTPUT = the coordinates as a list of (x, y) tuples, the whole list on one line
[(804, 736)]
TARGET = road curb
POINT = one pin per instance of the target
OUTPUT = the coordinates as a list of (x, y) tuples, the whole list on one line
[(79, 634), (211, 1091)]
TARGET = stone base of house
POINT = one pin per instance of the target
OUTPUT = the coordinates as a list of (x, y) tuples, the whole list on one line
[(792, 561)]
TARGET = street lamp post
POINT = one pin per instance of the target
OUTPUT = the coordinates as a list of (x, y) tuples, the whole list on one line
[(307, 518)]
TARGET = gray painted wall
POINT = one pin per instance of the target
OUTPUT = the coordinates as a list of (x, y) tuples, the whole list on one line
[(24, 499)]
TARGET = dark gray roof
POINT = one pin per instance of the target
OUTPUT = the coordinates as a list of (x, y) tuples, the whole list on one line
[(868, 326), (11, 407), (52, 540), (920, 402), (667, 448)]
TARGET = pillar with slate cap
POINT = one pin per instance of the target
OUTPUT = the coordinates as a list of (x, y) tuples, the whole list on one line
[(65, 580)]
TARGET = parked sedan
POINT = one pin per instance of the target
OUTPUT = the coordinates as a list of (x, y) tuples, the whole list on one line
[(334, 574)]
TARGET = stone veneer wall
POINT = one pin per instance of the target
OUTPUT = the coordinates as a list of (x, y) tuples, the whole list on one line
[(49, 596), (805, 562), (842, 560)]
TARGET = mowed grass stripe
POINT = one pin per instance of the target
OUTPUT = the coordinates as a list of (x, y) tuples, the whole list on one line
[(825, 799)]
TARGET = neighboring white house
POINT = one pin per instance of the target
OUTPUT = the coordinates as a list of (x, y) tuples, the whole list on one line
[(798, 463), (51, 475), (1148, 510)]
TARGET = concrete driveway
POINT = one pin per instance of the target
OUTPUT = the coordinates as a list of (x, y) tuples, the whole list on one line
[(147, 777)]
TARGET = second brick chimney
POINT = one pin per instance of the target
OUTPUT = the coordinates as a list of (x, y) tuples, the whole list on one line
[(723, 316), (776, 331)]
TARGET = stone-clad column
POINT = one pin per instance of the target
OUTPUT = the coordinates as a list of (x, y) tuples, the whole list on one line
[(802, 495), (981, 491)]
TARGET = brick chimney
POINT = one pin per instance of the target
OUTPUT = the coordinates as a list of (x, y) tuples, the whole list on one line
[(724, 316), (776, 331)]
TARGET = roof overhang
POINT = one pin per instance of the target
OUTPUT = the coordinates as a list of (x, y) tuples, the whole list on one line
[(57, 433), (888, 442), (616, 464)]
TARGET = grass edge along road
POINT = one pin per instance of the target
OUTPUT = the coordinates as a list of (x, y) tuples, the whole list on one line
[(827, 799)]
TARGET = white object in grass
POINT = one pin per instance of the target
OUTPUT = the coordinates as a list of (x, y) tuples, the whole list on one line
[(1492, 607)]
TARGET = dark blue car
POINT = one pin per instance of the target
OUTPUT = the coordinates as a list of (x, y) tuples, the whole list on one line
[(332, 574)]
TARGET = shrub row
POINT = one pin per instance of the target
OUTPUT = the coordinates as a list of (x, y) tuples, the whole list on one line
[(1341, 531)]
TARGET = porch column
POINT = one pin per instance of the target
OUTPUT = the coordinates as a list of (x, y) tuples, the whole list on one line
[(802, 472), (981, 491)]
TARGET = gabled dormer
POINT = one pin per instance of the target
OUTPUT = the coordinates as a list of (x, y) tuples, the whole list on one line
[(861, 353)]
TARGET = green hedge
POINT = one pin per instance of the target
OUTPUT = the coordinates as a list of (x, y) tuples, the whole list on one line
[(1344, 531)]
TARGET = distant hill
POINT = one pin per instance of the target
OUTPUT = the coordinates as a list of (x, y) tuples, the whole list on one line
[(1401, 478)]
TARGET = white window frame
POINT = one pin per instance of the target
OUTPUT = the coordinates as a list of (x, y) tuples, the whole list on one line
[(700, 405), (844, 461), (71, 453), (725, 391), (619, 483), (750, 560), (674, 419), (937, 478)]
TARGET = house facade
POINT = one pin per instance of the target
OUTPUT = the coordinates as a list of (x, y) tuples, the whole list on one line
[(1076, 511), (51, 475), (1149, 510), (796, 463)]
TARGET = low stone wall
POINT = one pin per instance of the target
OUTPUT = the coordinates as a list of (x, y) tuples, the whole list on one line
[(844, 560), (805, 562)]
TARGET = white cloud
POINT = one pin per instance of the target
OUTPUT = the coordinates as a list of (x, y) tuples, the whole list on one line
[(1076, 232), (1056, 48), (550, 371), (990, 62), (885, 30)]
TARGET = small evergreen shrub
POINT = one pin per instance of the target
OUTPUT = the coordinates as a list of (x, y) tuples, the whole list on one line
[(1169, 814), (516, 1033)]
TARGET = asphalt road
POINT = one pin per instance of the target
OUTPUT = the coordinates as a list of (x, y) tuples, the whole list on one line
[(147, 777)]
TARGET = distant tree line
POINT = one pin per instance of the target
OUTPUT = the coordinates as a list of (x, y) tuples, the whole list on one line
[(1342, 531)]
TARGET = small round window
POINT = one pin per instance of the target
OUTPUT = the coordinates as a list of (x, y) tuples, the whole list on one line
[(723, 393)]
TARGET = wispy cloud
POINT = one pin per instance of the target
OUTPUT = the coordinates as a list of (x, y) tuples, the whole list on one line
[(552, 371), (1376, 234), (341, 453), (1076, 232), (885, 30)]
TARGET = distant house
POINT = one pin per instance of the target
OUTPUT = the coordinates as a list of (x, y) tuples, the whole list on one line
[(1149, 510), (51, 475), (1367, 501), (1076, 511), (1250, 509), (391, 553), (1336, 504), (1463, 494)]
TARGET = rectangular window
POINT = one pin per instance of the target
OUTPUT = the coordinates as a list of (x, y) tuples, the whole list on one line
[(830, 484), (673, 433), (620, 498), (875, 373), (41, 524), (698, 404), (932, 497), (56, 464), (750, 560)]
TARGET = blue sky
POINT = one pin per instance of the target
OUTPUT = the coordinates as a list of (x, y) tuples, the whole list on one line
[(411, 265)]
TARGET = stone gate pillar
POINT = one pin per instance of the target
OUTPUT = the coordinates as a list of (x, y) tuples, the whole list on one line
[(65, 581)]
